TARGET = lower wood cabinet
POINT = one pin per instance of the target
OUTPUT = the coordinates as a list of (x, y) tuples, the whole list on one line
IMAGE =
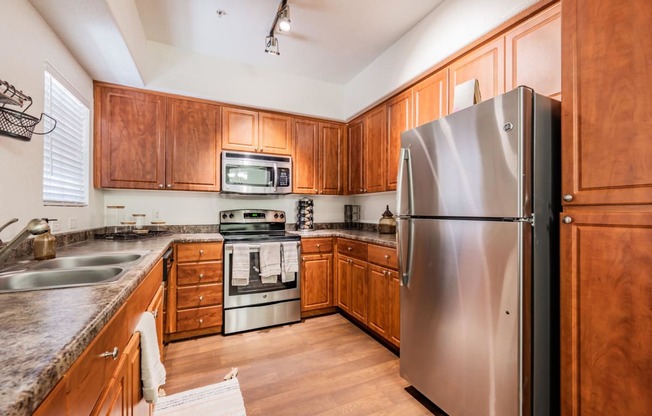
[(606, 313), (317, 274), (102, 383)]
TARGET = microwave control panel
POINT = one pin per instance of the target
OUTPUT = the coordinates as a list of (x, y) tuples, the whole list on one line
[(284, 177)]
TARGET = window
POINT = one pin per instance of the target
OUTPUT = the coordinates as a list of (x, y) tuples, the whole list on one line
[(66, 149)]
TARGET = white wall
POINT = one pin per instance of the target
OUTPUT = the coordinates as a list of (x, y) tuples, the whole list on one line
[(27, 43), (446, 30), (203, 208), (373, 205)]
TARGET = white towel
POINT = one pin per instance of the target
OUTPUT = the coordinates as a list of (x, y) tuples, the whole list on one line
[(290, 262), (240, 272), (152, 371), (270, 262)]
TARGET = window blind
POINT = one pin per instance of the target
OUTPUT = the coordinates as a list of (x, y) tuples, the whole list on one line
[(65, 150)]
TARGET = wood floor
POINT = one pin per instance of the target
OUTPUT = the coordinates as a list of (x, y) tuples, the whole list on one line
[(322, 366)]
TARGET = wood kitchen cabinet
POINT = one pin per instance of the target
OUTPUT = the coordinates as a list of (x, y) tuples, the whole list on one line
[(317, 284), (197, 291), (355, 147), (318, 159), (384, 293), (606, 318), (352, 278), (145, 140), (533, 54), (486, 64), (252, 131), (155, 307), (398, 121), (378, 300), (375, 150), (429, 99)]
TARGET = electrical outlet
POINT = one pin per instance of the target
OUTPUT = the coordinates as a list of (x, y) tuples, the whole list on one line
[(55, 225), (72, 223)]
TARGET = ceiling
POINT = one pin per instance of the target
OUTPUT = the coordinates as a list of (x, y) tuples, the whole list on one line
[(331, 41)]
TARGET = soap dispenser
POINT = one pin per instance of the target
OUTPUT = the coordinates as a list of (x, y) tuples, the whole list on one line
[(387, 223), (45, 244)]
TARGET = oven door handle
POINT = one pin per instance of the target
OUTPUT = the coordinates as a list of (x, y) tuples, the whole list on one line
[(228, 248), (275, 177)]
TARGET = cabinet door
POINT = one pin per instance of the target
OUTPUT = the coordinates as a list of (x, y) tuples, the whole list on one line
[(239, 129), (607, 110), (398, 121), (130, 144), (606, 314), (359, 289), (305, 169), (115, 400), (378, 318), (430, 98), (355, 140), (375, 144), (317, 282), (193, 146), (394, 325), (275, 134), (486, 64), (344, 283), (533, 54), (331, 155), (156, 308)]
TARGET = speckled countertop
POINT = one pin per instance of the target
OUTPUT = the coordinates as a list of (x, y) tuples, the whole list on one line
[(43, 332)]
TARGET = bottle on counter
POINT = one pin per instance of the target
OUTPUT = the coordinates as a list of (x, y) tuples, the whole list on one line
[(45, 245)]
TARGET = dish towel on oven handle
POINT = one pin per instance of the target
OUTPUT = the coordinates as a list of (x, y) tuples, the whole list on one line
[(270, 262), (290, 262), (240, 273)]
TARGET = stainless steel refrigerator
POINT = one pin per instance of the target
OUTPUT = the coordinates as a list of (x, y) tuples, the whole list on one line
[(478, 202)]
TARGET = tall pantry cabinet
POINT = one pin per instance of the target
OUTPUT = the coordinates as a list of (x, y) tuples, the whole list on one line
[(606, 229)]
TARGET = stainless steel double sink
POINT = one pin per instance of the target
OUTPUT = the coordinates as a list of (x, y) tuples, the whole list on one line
[(70, 271)]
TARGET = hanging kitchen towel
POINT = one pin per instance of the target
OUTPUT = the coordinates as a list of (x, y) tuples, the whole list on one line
[(290, 262), (240, 272), (270, 262), (151, 367)]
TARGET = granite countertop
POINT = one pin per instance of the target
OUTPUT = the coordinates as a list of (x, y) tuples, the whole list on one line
[(388, 240), (45, 331)]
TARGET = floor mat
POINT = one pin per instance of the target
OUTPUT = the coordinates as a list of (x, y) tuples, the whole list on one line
[(221, 399)]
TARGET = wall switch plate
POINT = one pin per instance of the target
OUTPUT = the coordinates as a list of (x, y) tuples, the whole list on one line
[(72, 223)]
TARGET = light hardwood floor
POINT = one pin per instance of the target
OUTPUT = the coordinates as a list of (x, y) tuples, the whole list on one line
[(322, 366)]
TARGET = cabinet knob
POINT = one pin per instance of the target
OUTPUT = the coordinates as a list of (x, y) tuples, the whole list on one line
[(201, 275), (113, 354), (386, 256), (160, 185), (349, 261), (201, 252), (567, 220), (201, 321), (303, 259), (568, 197), (365, 190), (316, 191), (385, 272), (318, 245), (350, 248), (169, 185), (201, 297)]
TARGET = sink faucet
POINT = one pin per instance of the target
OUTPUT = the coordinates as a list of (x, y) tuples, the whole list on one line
[(34, 227)]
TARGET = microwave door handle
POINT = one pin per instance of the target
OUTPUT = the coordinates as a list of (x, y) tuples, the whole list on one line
[(275, 177)]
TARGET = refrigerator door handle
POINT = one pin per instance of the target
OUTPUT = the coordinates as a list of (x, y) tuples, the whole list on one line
[(404, 192), (404, 243)]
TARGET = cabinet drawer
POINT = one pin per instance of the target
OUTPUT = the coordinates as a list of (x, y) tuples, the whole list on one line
[(197, 296), (383, 256), (199, 252), (316, 245), (352, 248), (192, 274), (199, 318)]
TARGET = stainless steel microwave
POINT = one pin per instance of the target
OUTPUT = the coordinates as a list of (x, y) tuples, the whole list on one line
[(256, 173)]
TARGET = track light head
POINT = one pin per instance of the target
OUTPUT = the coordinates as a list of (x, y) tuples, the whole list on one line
[(284, 23), (271, 45)]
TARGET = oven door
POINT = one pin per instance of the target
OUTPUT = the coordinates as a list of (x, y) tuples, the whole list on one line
[(256, 293)]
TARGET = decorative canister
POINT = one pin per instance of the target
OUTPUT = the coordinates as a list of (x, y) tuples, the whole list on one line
[(387, 223), (304, 216)]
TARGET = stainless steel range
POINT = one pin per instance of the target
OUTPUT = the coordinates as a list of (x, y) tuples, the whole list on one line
[(254, 302)]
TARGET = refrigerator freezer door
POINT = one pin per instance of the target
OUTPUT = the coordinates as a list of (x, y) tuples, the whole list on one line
[(473, 163), (460, 315)]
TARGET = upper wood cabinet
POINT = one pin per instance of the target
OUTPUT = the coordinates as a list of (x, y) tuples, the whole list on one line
[(192, 146), (332, 153), (149, 141), (533, 54), (398, 121), (129, 139), (486, 64), (252, 131), (430, 98), (375, 150), (606, 111), (305, 162), (355, 146), (606, 313)]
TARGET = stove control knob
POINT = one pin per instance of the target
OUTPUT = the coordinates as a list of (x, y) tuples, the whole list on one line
[(282, 215), (276, 215), (231, 216), (224, 216)]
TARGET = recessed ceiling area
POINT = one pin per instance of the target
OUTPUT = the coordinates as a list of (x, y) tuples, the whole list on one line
[(330, 41)]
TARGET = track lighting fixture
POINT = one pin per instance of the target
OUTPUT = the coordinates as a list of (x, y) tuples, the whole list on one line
[(282, 22)]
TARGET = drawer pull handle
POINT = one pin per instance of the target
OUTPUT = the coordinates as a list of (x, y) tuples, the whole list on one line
[(201, 297), (318, 245), (386, 256), (201, 252), (113, 354), (350, 248), (201, 275), (201, 321)]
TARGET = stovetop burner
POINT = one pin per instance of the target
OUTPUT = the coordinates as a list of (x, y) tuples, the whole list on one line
[(252, 225), (127, 236)]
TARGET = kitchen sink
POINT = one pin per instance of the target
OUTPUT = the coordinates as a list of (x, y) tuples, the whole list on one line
[(88, 261), (50, 279)]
